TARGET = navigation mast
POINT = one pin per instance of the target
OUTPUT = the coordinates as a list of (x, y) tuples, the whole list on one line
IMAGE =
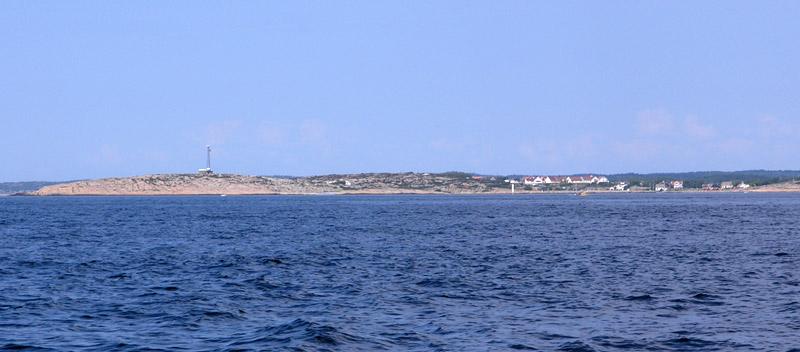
[(207, 170), (208, 157)]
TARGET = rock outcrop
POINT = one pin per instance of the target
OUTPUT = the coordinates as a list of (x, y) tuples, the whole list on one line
[(197, 184), (791, 186)]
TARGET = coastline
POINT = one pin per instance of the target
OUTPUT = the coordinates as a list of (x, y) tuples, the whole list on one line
[(350, 184), (401, 193)]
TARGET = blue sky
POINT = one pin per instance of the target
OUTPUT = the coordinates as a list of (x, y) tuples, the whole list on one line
[(96, 89)]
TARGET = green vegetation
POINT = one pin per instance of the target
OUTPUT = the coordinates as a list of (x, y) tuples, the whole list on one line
[(455, 174), (698, 178)]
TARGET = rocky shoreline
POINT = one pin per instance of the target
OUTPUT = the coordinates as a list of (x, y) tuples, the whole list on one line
[(366, 183), (228, 184)]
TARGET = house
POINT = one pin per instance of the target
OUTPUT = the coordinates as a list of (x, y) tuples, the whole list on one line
[(586, 179), (528, 180), (743, 186), (550, 180), (660, 187), (619, 186), (726, 185), (676, 184), (598, 179), (708, 187), (543, 180), (579, 179)]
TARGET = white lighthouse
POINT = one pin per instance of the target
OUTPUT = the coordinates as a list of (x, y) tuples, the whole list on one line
[(207, 170)]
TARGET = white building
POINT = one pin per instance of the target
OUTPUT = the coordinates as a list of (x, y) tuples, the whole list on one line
[(529, 181), (586, 179), (619, 186), (550, 180), (580, 180), (677, 184), (541, 180), (553, 180)]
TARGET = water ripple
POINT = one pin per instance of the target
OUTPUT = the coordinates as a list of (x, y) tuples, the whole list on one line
[(401, 273)]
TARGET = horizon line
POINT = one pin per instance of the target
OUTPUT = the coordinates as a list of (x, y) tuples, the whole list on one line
[(428, 172)]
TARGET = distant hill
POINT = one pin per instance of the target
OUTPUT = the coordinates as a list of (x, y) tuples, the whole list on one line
[(380, 183), (18, 187), (696, 178), (228, 184)]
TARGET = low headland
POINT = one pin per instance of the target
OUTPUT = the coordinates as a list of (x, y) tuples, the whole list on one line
[(420, 183), (230, 184)]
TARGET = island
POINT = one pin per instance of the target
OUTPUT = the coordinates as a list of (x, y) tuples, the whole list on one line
[(209, 183), (231, 184)]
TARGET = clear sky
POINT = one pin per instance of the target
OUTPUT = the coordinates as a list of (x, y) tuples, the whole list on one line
[(111, 88)]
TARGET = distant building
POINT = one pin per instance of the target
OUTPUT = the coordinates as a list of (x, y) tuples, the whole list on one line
[(708, 187), (579, 180), (619, 186), (660, 187), (743, 186), (586, 179), (540, 180), (676, 184), (530, 180), (726, 185), (549, 180)]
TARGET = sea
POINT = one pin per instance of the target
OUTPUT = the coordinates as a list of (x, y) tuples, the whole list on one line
[(605, 272)]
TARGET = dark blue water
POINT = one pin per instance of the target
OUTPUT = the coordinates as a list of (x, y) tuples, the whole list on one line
[(599, 273)]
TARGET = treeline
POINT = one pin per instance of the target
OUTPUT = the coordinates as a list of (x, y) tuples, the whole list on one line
[(697, 178)]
